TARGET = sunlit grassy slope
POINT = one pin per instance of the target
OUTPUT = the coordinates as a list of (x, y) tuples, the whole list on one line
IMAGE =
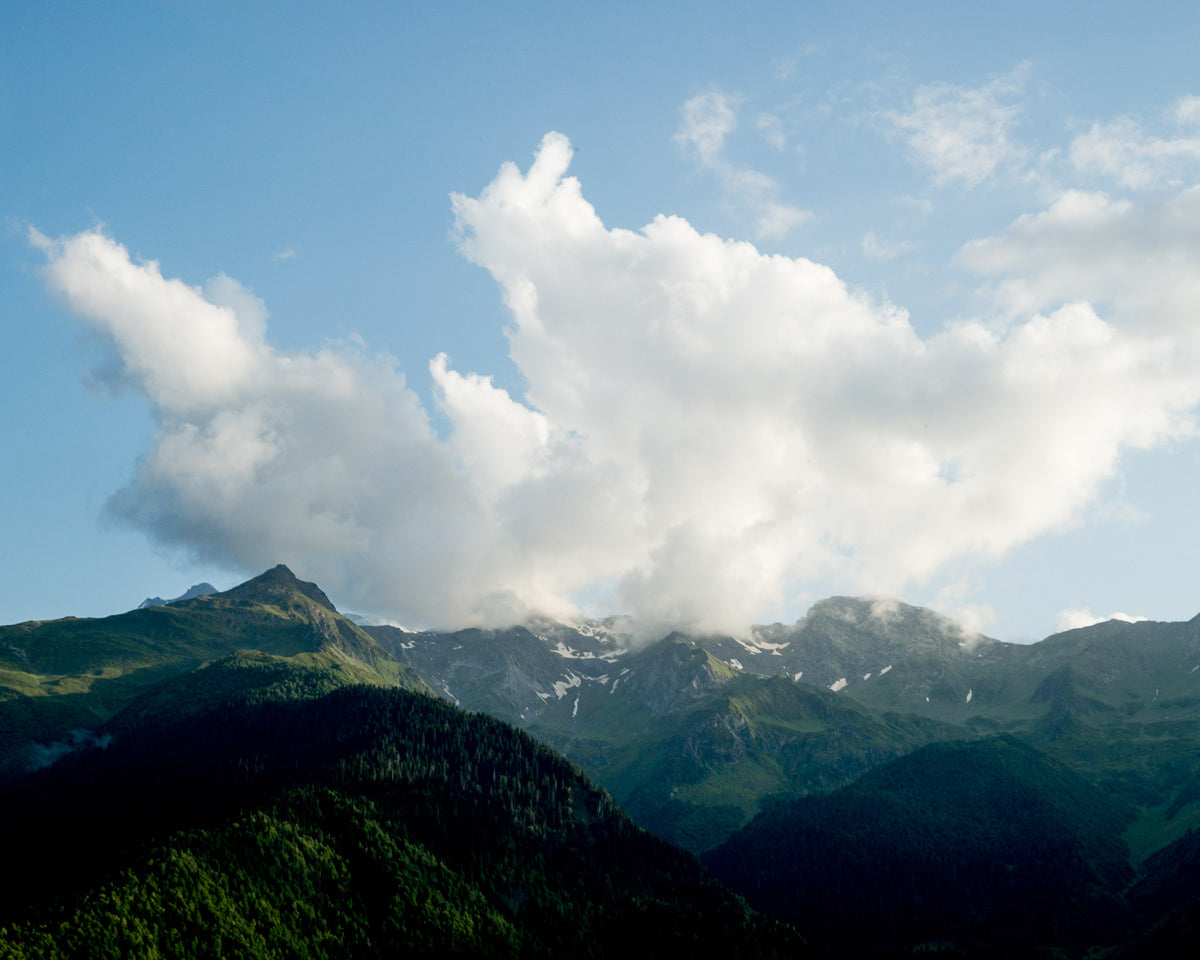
[(60, 676)]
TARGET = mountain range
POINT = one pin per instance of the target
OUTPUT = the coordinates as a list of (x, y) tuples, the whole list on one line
[(695, 734), (870, 778)]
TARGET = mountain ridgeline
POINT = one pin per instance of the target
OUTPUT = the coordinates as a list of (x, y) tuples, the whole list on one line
[(196, 590), (316, 800), (252, 773), (59, 679), (694, 735)]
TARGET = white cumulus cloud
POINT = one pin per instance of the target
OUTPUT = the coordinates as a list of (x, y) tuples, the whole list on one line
[(707, 429)]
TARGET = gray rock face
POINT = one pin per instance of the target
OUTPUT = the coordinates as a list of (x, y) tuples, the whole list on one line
[(196, 590)]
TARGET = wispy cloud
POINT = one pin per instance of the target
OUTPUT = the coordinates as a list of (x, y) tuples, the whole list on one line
[(785, 67), (708, 119), (770, 128), (963, 134), (287, 254), (875, 247), (1125, 153)]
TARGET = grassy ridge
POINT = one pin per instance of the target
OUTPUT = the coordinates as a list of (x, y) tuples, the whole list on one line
[(61, 677)]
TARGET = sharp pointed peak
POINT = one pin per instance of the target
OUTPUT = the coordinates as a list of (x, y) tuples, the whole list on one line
[(277, 581)]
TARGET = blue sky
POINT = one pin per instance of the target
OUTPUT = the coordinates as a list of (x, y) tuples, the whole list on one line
[(861, 298)]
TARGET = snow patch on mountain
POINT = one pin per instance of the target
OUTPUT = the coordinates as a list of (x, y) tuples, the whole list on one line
[(562, 686), (757, 645), (568, 652)]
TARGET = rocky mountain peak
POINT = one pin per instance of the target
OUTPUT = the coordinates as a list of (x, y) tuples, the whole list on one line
[(196, 590), (277, 584)]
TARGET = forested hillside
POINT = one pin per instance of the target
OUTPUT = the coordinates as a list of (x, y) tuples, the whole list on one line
[(284, 815), (990, 847)]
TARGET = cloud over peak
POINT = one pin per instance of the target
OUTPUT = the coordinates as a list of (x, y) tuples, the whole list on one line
[(707, 430)]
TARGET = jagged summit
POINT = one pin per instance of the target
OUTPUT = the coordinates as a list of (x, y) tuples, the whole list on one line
[(277, 584)]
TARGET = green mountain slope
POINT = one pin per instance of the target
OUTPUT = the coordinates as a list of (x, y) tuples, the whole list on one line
[(283, 814), (1118, 701), (693, 738), (1167, 901), (60, 679), (709, 759), (989, 846), (691, 745)]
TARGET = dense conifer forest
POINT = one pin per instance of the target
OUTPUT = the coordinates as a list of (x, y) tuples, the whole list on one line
[(287, 820)]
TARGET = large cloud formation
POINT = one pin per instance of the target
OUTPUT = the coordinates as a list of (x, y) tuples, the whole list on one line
[(706, 430)]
